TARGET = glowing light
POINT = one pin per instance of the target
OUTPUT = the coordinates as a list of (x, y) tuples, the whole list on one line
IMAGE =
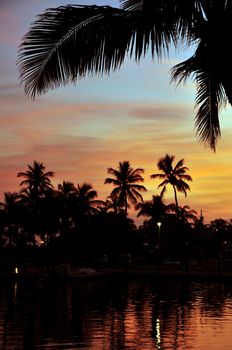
[(158, 334), (159, 226), (15, 290), (16, 270)]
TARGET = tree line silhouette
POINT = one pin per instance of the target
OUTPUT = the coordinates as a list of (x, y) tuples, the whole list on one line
[(41, 224)]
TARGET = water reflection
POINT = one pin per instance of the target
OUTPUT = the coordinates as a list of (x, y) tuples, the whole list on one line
[(115, 315)]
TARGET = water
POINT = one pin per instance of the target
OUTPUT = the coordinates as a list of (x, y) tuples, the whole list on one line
[(117, 314)]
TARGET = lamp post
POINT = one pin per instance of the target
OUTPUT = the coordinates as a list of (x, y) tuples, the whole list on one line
[(159, 226), (158, 247)]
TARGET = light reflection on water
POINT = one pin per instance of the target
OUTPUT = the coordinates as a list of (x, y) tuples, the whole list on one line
[(115, 315)]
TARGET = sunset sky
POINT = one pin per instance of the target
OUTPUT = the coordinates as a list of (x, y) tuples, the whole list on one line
[(134, 114)]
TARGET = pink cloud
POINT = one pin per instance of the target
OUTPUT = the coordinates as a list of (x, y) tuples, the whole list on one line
[(4, 14), (160, 111)]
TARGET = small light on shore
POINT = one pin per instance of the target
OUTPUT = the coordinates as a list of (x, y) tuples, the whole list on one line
[(16, 270)]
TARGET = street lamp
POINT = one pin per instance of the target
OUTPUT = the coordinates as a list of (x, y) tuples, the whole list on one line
[(159, 226)]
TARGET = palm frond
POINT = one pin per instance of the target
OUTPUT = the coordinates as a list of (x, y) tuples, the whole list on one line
[(163, 184), (159, 176), (165, 163), (210, 97), (182, 186), (132, 5), (185, 177), (182, 71), (132, 198), (179, 166), (164, 189), (178, 15), (137, 171), (137, 188), (71, 42), (181, 170), (135, 178), (109, 180)]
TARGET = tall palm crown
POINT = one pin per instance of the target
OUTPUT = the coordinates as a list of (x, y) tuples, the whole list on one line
[(66, 188), (186, 214), (113, 204), (10, 200), (66, 192), (11, 206), (37, 181), (175, 175), (156, 209), (125, 182), (67, 43), (85, 199)]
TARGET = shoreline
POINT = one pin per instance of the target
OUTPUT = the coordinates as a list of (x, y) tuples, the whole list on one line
[(157, 272)]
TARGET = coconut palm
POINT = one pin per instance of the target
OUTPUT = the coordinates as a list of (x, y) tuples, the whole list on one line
[(186, 214), (155, 208), (12, 217), (36, 182), (66, 192), (64, 196), (125, 182), (112, 204), (85, 200), (11, 199), (67, 43), (174, 175), (66, 188), (34, 194)]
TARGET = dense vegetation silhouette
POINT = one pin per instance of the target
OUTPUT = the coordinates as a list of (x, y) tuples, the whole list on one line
[(70, 42), (44, 226)]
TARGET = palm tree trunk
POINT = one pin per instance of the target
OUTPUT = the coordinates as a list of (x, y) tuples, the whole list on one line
[(126, 206), (175, 194)]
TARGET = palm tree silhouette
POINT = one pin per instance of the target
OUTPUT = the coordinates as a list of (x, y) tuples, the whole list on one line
[(34, 194), (186, 214), (85, 200), (125, 183), (70, 42), (66, 188), (36, 182), (12, 216), (155, 208), (112, 204), (66, 192), (173, 175)]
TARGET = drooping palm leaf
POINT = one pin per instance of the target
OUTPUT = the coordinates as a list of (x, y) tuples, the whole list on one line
[(210, 97), (178, 15), (67, 43), (209, 100), (210, 68), (132, 5)]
